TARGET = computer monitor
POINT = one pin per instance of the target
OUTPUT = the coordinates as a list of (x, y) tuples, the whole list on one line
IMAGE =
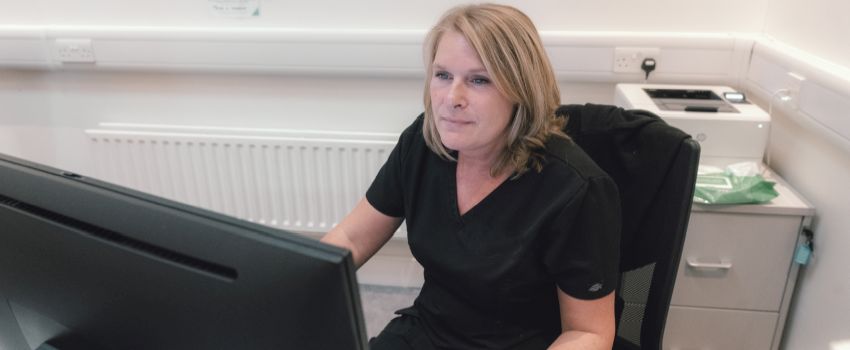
[(87, 264)]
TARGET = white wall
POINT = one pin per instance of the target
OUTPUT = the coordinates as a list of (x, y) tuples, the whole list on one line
[(63, 96), (607, 15), (819, 169), (820, 27), (45, 112), (54, 107), (820, 315)]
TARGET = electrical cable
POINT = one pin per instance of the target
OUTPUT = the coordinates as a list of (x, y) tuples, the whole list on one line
[(784, 96)]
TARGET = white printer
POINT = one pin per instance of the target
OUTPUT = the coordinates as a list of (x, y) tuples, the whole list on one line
[(729, 128)]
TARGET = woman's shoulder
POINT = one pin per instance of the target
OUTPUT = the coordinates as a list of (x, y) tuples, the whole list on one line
[(412, 134), (571, 173), (411, 147), (566, 155), (415, 128)]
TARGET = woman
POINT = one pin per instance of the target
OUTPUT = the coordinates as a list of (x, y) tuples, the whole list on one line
[(516, 228)]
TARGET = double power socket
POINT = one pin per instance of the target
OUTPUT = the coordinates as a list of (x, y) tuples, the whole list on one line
[(74, 51), (629, 59)]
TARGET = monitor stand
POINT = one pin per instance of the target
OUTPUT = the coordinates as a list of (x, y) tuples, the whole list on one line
[(67, 342), (41, 332)]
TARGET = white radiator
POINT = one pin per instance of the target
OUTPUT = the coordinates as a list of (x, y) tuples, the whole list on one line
[(304, 181)]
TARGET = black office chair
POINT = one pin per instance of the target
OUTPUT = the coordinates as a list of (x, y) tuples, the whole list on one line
[(654, 166)]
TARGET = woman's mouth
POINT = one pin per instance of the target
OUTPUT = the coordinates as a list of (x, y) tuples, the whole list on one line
[(455, 121)]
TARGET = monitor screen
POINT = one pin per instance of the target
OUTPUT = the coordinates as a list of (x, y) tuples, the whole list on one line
[(87, 264)]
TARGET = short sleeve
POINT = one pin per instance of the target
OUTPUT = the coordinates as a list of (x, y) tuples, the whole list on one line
[(386, 191), (584, 249)]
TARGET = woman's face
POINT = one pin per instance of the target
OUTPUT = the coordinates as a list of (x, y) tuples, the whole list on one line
[(470, 113)]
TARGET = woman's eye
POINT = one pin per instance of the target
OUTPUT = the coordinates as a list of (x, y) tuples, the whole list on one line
[(480, 81), (442, 75)]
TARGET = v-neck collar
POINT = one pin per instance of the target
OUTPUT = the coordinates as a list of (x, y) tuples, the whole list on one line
[(452, 190)]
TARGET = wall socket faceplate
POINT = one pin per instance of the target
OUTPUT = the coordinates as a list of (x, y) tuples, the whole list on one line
[(794, 82), (629, 59), (74, 50)]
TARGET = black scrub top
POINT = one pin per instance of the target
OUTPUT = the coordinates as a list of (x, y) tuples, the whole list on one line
[(491, 273)]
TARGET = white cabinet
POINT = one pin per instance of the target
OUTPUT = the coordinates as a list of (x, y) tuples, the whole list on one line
[(737, 274), (708, 328)]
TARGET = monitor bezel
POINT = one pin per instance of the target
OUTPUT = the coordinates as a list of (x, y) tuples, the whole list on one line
[(76, 196)]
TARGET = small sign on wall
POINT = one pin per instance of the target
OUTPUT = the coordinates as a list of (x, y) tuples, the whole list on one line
[(235, 8)]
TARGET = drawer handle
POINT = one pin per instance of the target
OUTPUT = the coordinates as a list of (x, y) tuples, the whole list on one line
[(694, 264)]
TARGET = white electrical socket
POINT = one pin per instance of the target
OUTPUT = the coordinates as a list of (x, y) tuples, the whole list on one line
[(74, 50), (629, 59)]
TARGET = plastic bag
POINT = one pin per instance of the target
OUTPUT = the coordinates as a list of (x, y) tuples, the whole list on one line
[(739, 183)]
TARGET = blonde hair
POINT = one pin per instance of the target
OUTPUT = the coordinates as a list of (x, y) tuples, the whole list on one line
[(511, 50)]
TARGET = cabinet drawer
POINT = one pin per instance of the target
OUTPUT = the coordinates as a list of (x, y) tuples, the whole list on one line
[(736, 261), (696, 328)]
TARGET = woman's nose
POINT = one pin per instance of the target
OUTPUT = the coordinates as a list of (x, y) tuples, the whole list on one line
[(457, 95)]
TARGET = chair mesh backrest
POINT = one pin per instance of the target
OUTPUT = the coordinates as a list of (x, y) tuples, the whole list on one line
[(654, 166), (634, 290)]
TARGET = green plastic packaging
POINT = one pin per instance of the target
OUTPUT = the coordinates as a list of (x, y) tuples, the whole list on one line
[(730, 188)]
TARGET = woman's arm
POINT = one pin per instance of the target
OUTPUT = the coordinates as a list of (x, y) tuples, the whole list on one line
[(585, 324), (363, 231)]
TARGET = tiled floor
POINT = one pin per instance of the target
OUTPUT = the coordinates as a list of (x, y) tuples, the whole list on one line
[(379, 303)]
